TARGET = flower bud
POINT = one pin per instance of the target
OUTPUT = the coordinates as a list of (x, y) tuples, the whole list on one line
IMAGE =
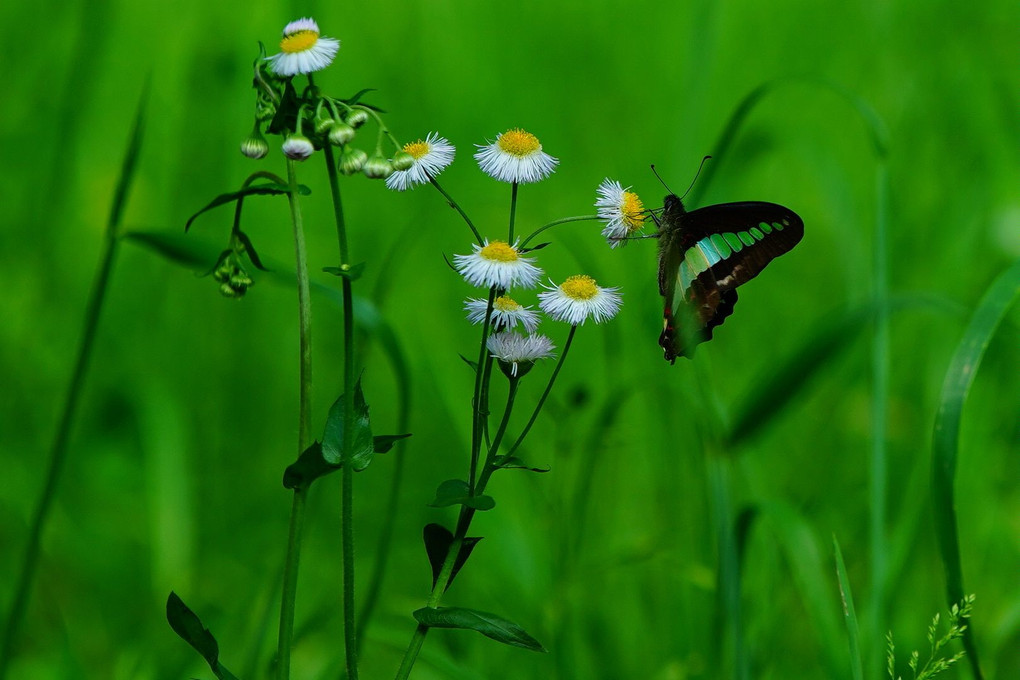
[(352, 160), (357, 118), (297, 147), (402, 160), (323, 125), (255, 146), (377, 167), (340, 133)]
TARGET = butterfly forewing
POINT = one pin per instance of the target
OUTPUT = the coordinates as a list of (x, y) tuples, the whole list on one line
[(705, 254)]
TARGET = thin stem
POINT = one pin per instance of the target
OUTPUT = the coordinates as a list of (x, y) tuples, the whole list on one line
[(347, 473), (563, 220), (476, 400), (453, 204), (513, 213), (290, 570), (463, 524), (545, 394)]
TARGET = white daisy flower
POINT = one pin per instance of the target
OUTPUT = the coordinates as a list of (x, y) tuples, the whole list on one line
[(577, 298), (515, 156), (621, 210), (506, 313), (303, 50), (517, 353), (431, 157), (298, 148), (497, 264)]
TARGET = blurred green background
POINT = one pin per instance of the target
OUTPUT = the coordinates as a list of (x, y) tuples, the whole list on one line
[(190, 409)]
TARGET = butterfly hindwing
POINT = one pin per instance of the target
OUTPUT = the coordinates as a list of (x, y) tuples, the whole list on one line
[(705, 254)]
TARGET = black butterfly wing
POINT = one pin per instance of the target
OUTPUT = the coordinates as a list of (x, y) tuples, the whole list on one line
[(711, 252)]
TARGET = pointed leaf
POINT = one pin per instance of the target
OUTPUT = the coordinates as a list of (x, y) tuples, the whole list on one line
[(384, 442), (538, 247), (457, 492), (351, 272), (190, 629), (309, 466), (472, 364), (489, 625), (438, 540), (515, 463), (362, 442), (250, 249), (267, 189)]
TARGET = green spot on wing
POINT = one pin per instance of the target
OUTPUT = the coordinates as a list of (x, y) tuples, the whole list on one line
[(766, 227), (746, 238), (777, 225), (733, 242), (756, 233), (720, 245)]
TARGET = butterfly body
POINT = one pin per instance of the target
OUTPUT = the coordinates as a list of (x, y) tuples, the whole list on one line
[(705, 254)]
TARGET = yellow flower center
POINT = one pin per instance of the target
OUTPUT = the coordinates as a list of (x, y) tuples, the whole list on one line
[(505, 304), (500, 251), (519, 143), (417, 149), (633, 211), (299, 41), (580, 287)]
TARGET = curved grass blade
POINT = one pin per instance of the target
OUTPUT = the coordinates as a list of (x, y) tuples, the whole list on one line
[(849, 615), (946, 438), (489, 625)]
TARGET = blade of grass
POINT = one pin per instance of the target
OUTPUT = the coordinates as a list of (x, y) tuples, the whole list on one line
[(58, 453), (849, 615), (945, 441)]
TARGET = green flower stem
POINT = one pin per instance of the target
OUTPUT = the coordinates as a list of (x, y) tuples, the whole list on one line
[(513, 213), (476, 400), (453, 204), (545, 394), (463, 524), (564, 220), (347, 473), (297, 512)]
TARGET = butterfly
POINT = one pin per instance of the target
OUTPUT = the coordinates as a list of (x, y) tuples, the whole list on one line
[(705, 254)]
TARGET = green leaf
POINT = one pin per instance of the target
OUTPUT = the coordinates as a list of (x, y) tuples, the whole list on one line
[(849, 615), (350, 272), (438, 540), (309, 466), (384, 442), (515, 463), (267, 189), (362, 443), (946, 438), (190, 629), (250, 249), (176, 247), (472, 364), (457, 492), (489, 625)]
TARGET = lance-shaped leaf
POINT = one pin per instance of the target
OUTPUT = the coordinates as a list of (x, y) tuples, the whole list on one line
[(350, 272), (309, 466), (267, 189), (489, 625), (189, 627), (362, 443), (176, 247), (250, 249), (515, 463), (384, 442), (457, 492), (438, 540)]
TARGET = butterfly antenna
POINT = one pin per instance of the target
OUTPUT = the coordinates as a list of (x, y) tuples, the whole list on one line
[(661, 181), (696, 175)]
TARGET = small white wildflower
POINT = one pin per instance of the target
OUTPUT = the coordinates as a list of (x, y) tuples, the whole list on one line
[(517, 353), (578, 298), (431, 157), (515, 156), (621, 210), (303, 50), (497, 264), (506, 313)]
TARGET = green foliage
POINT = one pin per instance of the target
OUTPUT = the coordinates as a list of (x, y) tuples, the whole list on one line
[(936, 662), (189, 627), (489, 625)]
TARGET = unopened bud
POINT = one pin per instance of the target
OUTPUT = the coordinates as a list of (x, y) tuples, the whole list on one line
[(340, 133), (357, 118), (352, 160), (377, 167), (255, 146), (402, 160), (298, 148)]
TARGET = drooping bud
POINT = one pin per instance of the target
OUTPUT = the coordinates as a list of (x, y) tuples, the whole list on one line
[(352, 160), (340, 133), (298, 147), (255, 145), (402, 160), (357, 118), (377, 167)]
